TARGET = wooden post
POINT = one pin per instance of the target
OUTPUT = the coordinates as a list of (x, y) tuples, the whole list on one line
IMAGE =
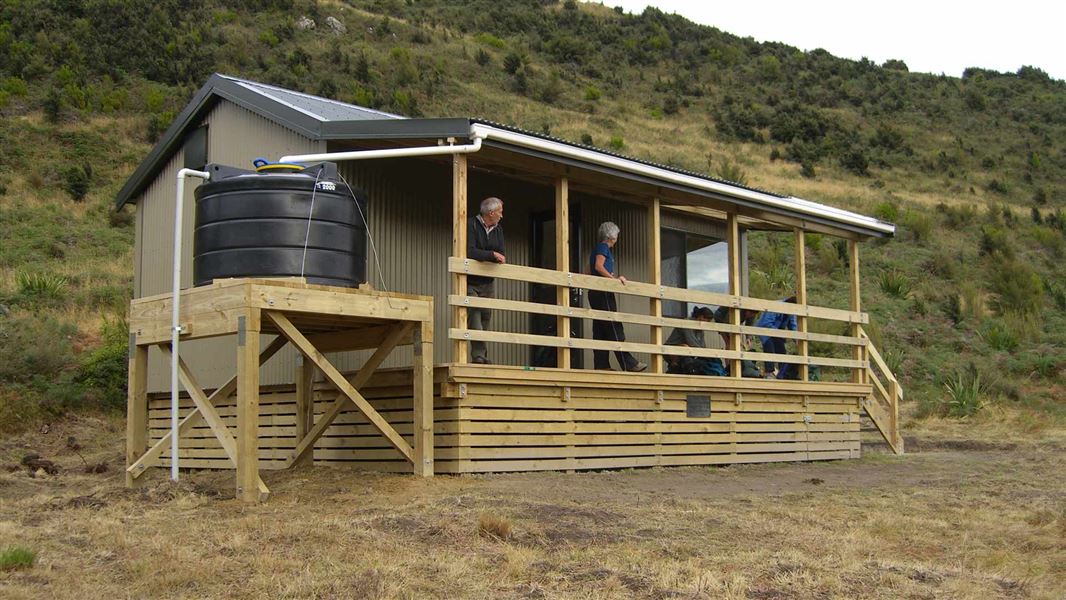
[(423, 398), (136, 407), (801, 299), (248, 406), (562, 263), (893, 401), (733, 241), (460, 348), (857, 375), (655, 270), (305, 402)]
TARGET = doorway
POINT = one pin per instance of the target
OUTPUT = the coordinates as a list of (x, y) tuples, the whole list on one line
[(543, 250)]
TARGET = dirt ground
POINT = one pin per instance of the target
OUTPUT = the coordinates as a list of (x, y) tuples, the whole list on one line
[(951, 519)]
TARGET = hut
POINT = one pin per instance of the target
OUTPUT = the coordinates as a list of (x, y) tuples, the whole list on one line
[(539, 405)]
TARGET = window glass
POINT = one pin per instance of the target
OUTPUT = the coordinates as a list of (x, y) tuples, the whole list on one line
[(693, 262)]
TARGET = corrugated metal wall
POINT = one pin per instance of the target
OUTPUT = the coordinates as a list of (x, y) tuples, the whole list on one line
[(235, 136)]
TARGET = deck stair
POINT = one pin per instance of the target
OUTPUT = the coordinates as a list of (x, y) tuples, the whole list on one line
[(882, 406)]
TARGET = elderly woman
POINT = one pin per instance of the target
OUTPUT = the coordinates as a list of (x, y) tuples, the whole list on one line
[(602, 263)]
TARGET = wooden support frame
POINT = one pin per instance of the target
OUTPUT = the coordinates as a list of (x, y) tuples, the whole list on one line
[(858, 376), (338, 316), (655, 305), (733, 243), (562, 262), (137, 412), (348, 391), (801, 299), (460, 348)]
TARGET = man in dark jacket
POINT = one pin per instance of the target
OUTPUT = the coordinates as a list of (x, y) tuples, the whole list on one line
[(484, 242)]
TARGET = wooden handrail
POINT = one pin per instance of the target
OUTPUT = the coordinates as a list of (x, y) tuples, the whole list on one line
[(880, 362), (646, 290), (587, 344), (639, 319)]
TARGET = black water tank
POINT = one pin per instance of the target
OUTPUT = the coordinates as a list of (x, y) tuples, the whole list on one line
[(257, 224)]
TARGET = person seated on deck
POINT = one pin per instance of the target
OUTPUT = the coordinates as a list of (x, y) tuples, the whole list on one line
[(774, 345), (693, 338), (748, 368)]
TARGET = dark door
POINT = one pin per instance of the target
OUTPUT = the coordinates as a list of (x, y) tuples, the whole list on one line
[(543, 247)]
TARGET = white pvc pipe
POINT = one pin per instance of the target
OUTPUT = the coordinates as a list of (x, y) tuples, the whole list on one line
[(387, 153), (175, 326)]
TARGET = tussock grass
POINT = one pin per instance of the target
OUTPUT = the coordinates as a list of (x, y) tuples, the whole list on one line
[(494, 526), (16, 557)]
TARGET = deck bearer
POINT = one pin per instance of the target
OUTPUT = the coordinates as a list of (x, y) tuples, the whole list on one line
[(484, 242)]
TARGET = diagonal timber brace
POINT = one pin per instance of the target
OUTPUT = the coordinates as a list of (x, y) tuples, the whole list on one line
[(210, 415), (151, 457), (348, 391)]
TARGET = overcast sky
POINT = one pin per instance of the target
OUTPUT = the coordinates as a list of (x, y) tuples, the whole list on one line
[(931, 36)]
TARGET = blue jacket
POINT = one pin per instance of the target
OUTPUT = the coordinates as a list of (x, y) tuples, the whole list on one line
[(772, 320)]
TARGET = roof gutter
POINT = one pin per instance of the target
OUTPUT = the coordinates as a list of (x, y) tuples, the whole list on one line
[(478, 130), (388, 152)]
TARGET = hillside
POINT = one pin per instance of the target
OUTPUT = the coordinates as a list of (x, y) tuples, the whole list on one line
[(968, 301)]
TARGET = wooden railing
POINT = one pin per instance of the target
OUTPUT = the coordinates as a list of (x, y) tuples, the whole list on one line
[(883, 405), (461, 267)]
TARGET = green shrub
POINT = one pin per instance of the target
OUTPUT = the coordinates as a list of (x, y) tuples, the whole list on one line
[(616, 143), (965, 305), (998, 335), (513, 62), (729, 170), (1040, 196), (490, 40), (886, 211), (32, 348), (807, 170), (483, 58), (894, 283), (856, 162), (996, 186), (1017, 289), (16, 557), (957, 217), (586, 138), (593, 93), (76, 182), (102, 373), (994, 242), (964, 393), (918, 224)]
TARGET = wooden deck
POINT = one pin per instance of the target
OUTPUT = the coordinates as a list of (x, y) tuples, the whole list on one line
[(497, 419)]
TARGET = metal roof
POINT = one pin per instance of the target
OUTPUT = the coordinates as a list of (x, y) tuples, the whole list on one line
[(324, 119)]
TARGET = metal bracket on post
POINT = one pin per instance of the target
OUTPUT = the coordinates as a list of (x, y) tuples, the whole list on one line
[(808, 419), (466, 265), (462, 390), (739, 398), (806, 400), (659, 397), (566, 394)]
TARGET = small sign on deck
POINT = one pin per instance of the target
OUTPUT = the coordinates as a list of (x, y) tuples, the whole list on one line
[(697, 406)]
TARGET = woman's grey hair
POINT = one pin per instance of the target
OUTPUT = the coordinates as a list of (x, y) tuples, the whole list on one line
[(490, 204), (609, 231)]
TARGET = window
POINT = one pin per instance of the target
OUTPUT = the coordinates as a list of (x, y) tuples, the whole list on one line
[(693, 262), (195, 148)]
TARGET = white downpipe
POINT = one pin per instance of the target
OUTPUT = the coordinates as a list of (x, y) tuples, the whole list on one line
[(796, 204), (386, 153), (175, 326)]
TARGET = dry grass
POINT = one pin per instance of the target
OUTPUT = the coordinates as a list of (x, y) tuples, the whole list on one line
[(977, 521)]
